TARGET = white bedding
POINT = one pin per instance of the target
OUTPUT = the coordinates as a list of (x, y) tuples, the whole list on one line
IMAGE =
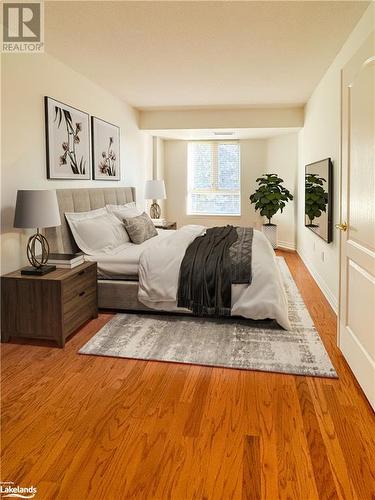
[(159, 266), (124, 262)]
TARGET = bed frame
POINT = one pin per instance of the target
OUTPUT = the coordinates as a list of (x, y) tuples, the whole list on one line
[(112, 294)]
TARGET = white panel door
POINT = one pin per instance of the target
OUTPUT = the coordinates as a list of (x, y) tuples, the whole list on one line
[(357, 254)]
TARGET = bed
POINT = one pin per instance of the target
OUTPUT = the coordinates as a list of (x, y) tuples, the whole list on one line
[(124, 278)]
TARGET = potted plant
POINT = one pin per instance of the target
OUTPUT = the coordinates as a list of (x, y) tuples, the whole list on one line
[(269, 198), (316, 199)]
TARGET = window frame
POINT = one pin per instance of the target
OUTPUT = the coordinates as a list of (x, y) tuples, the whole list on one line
[(214, 179)]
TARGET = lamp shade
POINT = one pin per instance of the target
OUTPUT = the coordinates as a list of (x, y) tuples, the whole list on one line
[(36, 208), (155, 190)]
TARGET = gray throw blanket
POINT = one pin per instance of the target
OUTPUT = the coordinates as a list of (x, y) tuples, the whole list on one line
[(240, 254), (211, 264)]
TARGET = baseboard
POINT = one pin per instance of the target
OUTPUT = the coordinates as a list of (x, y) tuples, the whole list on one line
[(286, 245), (321, 284)]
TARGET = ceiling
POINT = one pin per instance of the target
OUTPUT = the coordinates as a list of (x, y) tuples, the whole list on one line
[(201, 53), (220, 134)]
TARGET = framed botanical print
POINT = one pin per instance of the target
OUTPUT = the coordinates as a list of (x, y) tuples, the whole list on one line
[(67, 141), (105, 139)]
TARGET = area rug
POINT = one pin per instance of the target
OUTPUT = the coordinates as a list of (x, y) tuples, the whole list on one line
[(228, 343)]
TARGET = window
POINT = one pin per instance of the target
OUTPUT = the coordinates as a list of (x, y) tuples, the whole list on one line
[(214, 178)]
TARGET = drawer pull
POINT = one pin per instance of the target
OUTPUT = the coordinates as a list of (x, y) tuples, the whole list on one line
[(81, 272), (81, 294)]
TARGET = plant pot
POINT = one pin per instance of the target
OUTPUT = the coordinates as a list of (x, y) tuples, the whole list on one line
[(270, 232)]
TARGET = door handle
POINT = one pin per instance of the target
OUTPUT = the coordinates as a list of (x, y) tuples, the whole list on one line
[(343, 226)]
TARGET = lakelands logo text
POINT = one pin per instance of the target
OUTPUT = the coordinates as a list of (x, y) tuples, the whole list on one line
[(8, 490), (23, 27)]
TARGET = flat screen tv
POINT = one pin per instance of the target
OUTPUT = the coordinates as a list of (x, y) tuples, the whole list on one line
[(318, 198)]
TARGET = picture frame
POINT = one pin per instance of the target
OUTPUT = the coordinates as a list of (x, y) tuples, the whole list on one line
[(319, 198), (105, 140), (68, 151)]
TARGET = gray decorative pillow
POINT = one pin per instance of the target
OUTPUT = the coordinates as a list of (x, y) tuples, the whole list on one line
[(140, 228)]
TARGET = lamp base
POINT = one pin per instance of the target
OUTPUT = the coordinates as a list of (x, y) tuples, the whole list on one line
[(37, 271), (155, 210)]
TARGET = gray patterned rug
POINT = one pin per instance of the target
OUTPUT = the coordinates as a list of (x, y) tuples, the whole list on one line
[(230, 343)]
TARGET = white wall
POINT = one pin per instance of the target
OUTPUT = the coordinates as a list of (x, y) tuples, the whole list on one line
[(278, 155), (320, 138), (282, 159), (26, 79), (158, 168)]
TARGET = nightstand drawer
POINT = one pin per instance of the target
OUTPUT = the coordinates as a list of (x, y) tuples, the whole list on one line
[(78, 309), (78, 283), (78, 296)]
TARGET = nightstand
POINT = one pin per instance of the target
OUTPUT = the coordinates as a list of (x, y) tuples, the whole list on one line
[(48, 307), (168, 225)]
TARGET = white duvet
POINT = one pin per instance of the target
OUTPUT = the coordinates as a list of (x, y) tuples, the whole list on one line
[(159, 268)]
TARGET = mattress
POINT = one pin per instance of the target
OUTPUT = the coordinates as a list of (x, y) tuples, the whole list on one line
[(124, 264)]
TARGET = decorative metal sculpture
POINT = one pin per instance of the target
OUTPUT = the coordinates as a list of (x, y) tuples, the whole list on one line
[(41, 260)]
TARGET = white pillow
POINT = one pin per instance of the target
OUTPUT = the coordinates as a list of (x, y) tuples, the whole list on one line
[(97, 231), (124, 211)]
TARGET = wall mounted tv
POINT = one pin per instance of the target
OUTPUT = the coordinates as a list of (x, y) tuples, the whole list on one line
[(318, 198)]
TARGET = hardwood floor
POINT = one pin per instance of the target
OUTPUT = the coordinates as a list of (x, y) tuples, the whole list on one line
[(82, 427)]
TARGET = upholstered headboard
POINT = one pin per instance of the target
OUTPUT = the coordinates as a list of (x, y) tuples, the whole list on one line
[(60, 238)]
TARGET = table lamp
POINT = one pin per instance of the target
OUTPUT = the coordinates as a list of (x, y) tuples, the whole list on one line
[(155, 190), (37, 209)]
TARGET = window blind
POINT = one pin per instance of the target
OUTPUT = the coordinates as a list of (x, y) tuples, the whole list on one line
[(214, 182)]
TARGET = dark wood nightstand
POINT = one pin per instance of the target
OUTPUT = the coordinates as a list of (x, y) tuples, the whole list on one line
[(168, 225), (48, 307)]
